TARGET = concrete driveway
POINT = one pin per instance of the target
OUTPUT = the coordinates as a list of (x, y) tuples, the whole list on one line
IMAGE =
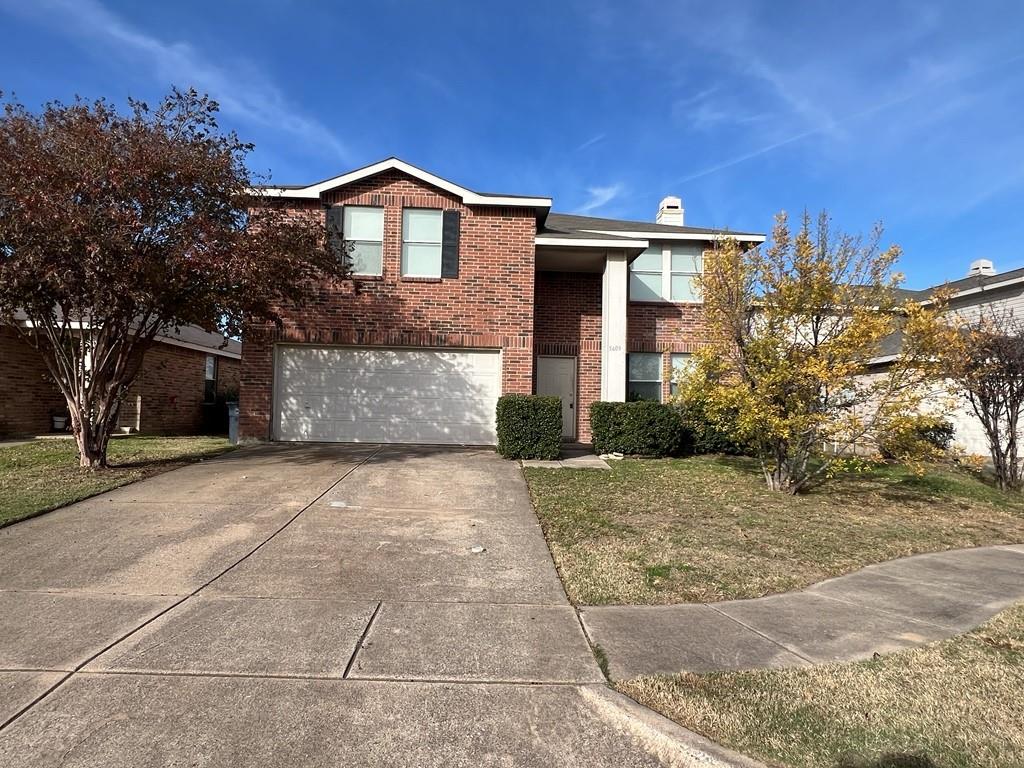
[(314, 605)]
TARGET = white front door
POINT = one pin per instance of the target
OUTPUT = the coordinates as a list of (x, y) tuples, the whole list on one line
[(557, 376)]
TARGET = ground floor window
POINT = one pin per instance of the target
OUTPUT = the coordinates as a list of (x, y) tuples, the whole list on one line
[(644, 376), (681, 363), (210, 381)]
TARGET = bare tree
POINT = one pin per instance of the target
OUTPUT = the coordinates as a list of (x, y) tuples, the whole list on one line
[(987, 368)]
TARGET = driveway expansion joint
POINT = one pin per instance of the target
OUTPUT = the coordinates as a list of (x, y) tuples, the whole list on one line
[(8, 722)]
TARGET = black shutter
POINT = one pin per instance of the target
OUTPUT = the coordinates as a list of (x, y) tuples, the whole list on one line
[(450, 243), (335, 234)]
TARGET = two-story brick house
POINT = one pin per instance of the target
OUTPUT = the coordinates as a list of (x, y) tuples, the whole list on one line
[(459, 297)]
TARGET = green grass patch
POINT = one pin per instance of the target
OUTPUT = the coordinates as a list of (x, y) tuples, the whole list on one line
[(953, 704), (44, 474), (706, 528)]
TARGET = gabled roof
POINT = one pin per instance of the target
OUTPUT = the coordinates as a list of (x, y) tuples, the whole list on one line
[(566, 222), (978, 283), (468, 196)]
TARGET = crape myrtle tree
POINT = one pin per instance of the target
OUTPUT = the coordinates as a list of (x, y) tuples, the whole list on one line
[(793, 325), (986, 367), (119, 226)]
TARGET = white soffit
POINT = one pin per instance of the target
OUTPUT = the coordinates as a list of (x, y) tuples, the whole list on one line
[(583, 242), (680, 235), (468, 196)]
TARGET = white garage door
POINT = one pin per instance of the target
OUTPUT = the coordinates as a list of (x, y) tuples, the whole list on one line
[(344, 394)]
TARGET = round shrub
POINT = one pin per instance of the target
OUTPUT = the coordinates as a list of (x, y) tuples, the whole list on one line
[(529, 426)]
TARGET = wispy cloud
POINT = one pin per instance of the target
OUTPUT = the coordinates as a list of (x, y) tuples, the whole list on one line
[(591, 142), (437, 85), (242, 90), (948, 76), (598, 197)]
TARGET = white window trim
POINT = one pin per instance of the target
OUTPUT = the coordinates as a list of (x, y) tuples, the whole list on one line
[(666, 279), (660, 381), (380, 242), (439, 244)]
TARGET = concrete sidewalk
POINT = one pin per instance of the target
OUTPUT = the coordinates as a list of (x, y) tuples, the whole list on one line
[(880, 609), (308, 605)]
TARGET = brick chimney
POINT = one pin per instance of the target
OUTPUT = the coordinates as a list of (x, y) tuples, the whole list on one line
[(670, 211)]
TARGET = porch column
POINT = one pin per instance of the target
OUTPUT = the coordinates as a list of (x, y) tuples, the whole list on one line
[(614, 302)]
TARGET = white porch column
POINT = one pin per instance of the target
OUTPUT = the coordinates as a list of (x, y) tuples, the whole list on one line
[(614, 302)]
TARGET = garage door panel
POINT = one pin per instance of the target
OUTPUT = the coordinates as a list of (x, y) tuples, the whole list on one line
[(386, 395), (378, 385), (338, 408)]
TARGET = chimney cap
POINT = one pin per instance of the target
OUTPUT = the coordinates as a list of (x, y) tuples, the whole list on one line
[(981, 267), (670, 211)]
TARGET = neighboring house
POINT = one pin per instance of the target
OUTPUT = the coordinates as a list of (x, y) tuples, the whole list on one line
[(180, 372), (983, 288), (459, 297)]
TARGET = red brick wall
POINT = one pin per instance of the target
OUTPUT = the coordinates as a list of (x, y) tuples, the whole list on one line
[(567, 322), (27, 393), (172, 382), (228, 372), (489, 305), (666, 328)]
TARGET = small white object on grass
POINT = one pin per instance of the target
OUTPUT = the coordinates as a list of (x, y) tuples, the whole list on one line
[(476, 550)]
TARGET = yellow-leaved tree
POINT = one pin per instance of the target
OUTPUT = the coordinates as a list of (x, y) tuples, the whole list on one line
[(796, 330)]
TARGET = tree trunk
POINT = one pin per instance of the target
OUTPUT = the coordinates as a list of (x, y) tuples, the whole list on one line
[(92, 442)]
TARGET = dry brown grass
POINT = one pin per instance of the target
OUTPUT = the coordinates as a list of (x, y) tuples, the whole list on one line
[(954, 704), (706, 529)]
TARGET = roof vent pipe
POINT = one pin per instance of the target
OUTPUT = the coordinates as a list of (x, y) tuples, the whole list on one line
[(670, 211), (981, 268)]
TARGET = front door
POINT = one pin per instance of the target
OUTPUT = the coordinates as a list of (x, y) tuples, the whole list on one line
[(557, 376)]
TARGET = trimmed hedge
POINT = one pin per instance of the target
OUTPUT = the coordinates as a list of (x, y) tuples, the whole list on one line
[(643, 428), (529, 426), (707, 436)]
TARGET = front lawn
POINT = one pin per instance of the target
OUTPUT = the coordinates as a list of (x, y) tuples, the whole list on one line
[(705, 528), (44, 474), (954, 704)]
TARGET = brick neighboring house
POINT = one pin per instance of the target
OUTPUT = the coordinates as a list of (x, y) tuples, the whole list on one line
[(459, 297), (179, 373)]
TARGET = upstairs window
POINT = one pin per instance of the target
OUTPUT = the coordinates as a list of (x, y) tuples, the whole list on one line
[(421, 242), (667, 273), (686, 262), (364, 232), (645, 277)]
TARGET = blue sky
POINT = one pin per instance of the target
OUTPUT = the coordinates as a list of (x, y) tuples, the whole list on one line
[(907, 112)]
